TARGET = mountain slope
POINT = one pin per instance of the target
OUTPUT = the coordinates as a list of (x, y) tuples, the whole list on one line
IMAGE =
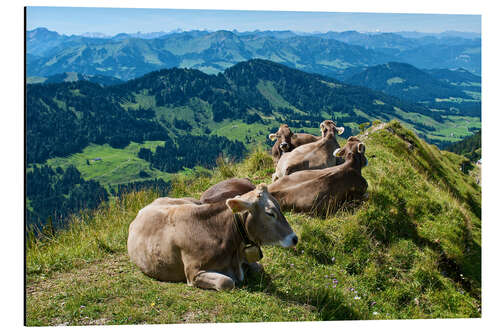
[(412, 250), (470, 147), (459, 77), (406, 82), (73, 76), (254, 97)]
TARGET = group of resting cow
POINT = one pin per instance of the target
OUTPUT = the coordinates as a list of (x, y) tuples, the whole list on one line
[(211, 242)]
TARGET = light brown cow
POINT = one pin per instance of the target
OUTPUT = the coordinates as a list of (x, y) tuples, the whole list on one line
[(319, 190), (201, 244), (315, 155), (286, 141)]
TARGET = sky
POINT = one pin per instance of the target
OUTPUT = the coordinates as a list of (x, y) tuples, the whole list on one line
[(110, 21)]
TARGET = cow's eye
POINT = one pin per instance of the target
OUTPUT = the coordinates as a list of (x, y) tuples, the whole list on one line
[(270, 214)]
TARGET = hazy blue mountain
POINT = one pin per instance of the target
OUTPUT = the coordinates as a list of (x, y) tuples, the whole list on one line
[(338, 55), (126, 58), (415, 34)]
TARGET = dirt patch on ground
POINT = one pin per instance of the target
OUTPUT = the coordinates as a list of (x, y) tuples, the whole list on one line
[(112, 265), (369, 131)]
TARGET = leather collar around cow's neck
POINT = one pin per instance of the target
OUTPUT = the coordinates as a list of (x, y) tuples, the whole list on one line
[(251, 251), (240, 225)]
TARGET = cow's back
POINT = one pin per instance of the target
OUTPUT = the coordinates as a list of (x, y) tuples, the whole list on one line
[(304, 138), (227, 189), (151, 242)]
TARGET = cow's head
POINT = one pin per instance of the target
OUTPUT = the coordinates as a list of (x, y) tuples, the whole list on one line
[(265, 225), (353, 149), (283, 138), (329, 126)]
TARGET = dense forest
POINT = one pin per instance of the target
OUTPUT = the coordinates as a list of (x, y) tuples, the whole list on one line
[(55, 194), (191, 151), (160, 186), (470, 147)]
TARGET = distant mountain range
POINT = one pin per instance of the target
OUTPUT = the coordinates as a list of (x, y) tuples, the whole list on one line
[(338, 55)]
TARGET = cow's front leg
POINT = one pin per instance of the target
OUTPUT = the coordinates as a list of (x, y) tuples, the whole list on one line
[(213, 280)]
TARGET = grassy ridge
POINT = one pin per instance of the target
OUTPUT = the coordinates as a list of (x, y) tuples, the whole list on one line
[(412, 250)]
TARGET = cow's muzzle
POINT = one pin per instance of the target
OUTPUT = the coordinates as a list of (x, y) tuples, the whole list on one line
[(284, 146), (290, 240)]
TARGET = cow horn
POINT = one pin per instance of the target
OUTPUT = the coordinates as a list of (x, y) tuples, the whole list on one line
[(336, 152), (272, 136), (361, 148), (340, 130)]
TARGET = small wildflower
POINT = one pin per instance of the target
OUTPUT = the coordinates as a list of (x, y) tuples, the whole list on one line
[(302, 251), (333, 259), (153, 304), (357, 297), (373, 303), (375, 313), (291, 265), (334, 286), (82, 306)]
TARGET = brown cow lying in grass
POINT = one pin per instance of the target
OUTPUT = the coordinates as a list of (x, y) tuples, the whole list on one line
[(309, 190), (321, 190), (182, 240), (315, 155), (286, 141)]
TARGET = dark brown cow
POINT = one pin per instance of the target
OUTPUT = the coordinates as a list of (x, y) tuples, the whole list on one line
[(202, 243), (320, 190), (314, 155), (227, 189), (287, 141)]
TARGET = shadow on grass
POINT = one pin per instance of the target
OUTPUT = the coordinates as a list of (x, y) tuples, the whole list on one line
[(400, 226), (330, 304)]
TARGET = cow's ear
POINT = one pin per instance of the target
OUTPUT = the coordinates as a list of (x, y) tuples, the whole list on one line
[(338, 152), (272, 136), (361, 148), (237, 204), (340, 130), (294, 136)]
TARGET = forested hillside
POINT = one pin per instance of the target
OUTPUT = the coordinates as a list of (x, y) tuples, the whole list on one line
[(406, 82), (470, 147)]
